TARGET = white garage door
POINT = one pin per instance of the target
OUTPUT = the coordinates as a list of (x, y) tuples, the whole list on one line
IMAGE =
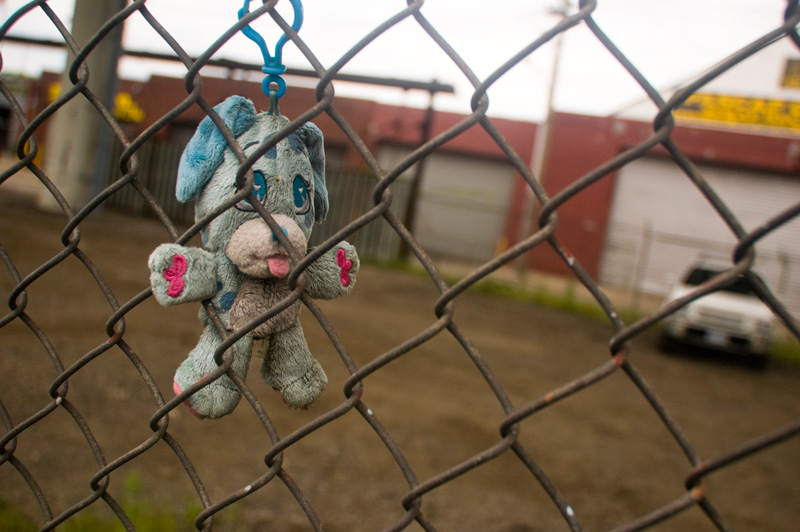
[(462, 205), (660, 222)]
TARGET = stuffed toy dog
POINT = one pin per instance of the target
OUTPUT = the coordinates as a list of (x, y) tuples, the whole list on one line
[(242, 267)]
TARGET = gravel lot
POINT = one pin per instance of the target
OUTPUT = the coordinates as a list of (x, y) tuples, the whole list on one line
[(604, 448)]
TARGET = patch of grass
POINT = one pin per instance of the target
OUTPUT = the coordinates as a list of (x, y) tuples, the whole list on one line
[(785, 350), (565, 300), (13, 519), (146, 514)]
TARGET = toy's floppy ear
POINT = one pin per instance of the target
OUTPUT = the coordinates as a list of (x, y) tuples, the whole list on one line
[(204, 152), (312, 138)]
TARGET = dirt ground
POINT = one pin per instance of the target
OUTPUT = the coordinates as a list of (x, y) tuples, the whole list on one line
[(605, 448)]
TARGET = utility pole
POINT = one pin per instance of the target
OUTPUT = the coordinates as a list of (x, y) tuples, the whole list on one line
[(77, 139), (410, 215), (541, 144)]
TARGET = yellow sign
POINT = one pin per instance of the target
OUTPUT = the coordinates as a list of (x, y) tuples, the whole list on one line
[(736, 110)]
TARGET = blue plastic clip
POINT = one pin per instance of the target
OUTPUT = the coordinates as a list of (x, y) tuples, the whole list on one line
[(273, 65)]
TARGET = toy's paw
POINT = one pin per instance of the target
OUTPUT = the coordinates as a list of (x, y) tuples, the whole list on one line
[(347, 262), (212, 401), (334, 273), (218, 397), (179, 274), (307, 388)]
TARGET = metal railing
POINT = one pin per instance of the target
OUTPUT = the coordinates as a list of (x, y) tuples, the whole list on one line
[(58, 391)]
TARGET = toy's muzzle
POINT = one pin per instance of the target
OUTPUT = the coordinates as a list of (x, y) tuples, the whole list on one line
[(258, 252)]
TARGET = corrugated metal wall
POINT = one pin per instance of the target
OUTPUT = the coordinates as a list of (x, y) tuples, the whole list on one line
[(350, 195)]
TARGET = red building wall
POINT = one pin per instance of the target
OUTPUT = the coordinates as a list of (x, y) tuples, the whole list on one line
[(579, 144), (374, 123)]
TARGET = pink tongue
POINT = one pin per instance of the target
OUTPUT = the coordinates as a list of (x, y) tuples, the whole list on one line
[(278, 265)]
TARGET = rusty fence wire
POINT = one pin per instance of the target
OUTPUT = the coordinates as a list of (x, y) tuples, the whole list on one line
[(163, 449)]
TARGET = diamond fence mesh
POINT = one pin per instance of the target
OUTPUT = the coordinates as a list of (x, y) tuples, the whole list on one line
[(105, 410)]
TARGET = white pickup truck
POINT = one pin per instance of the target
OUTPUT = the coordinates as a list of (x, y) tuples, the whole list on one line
[(731, 319)]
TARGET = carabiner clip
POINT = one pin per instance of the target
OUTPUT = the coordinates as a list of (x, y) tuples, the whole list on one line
[(273, 65)]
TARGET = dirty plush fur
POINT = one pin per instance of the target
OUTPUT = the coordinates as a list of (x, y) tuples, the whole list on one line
[(242, 267)]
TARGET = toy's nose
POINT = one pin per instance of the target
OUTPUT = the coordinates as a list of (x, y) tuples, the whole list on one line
[(289, 228), (257, 251), (256, 234), (275, 237)]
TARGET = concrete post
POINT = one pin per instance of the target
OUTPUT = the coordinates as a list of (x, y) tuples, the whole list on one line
[(72, 147)]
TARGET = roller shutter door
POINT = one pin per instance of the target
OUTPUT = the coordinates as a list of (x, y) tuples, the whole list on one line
[(660, 222), (462, 204)]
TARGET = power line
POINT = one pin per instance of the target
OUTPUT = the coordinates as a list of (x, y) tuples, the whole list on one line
[(406, 84)]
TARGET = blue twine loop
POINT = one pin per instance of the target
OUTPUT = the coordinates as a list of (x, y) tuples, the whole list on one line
[(273, 65)]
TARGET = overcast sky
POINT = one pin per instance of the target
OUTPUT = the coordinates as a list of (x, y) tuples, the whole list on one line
[(670, 41)]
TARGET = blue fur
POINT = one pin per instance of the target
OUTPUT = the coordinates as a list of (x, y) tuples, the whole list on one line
[(312, 139), (296, 144), (204, 152), (226, 300)]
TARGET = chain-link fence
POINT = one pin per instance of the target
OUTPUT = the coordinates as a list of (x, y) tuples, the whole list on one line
[(83, 413)]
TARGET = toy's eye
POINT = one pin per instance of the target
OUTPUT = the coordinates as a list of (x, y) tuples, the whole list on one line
[(259, 191), (302, 200)]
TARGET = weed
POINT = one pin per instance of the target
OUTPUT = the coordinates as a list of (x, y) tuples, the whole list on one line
[(146, 514), (13, 519), (786, 350)]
